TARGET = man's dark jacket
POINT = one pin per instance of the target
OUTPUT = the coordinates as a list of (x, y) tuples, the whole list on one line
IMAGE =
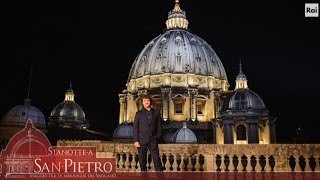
[(143, 130)]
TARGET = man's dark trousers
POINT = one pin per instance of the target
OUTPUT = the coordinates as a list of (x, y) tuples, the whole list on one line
[(154, 151)]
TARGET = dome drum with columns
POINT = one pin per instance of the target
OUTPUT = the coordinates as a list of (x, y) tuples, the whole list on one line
[(244, 117), (182, 73), (184, 76)]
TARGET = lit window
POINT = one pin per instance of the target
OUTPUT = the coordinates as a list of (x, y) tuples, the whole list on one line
[(178, 107), (199, 108)]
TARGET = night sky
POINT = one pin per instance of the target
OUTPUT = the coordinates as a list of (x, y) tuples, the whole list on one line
[(94, 43)]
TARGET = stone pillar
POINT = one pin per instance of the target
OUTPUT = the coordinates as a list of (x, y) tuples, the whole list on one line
[(216, 101), (266, 133), (214, 131), (123, 108), (193, 92), (166, 94), (131, 108), (272, 131), (211, 106), (253, 134), (228, 134)]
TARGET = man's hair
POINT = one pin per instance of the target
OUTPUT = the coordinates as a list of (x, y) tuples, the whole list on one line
[(147, 97)]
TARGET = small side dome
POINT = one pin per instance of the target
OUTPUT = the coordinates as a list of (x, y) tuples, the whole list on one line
[(19, 115), (243, 99), (123, 133), (68, 114), (184, 135)]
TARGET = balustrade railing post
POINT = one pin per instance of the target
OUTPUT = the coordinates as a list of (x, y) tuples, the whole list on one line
[(189, 166), (298, 167), (267, 168), (167, 165), (127, 163), (222, 166), (182, 164), (249, 166), (175, 163), (197, 165), (120, 161), (210, 163), (308, 168), (258, 165), (231, 165), (133, 162)]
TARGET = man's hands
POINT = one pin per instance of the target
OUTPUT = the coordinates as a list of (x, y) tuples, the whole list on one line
[(136, 144)]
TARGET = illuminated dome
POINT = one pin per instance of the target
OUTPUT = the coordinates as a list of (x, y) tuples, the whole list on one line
[(188, 83), (183, 75), (124, 132), (19, 115), (243, 101), (177, 51), (68, 114), (184, 135)]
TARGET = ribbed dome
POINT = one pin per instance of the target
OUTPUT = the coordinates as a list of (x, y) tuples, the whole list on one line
[(68, 110), (19, 115), (243, 99), (184, 135), (68, 114), (123, 131), (177, 51)]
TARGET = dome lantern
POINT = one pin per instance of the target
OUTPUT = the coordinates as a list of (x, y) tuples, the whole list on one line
[(177, 18), (69, 96), (241, 80)]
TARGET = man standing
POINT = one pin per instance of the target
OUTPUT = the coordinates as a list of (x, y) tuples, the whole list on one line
[(146, 133)]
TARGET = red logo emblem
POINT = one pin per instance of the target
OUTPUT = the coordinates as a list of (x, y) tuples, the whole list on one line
[(30, 155)]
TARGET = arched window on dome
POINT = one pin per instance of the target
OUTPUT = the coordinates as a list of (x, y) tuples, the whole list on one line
[(241, 133)]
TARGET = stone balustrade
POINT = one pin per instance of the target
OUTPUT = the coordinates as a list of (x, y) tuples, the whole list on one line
[(213, 157)]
